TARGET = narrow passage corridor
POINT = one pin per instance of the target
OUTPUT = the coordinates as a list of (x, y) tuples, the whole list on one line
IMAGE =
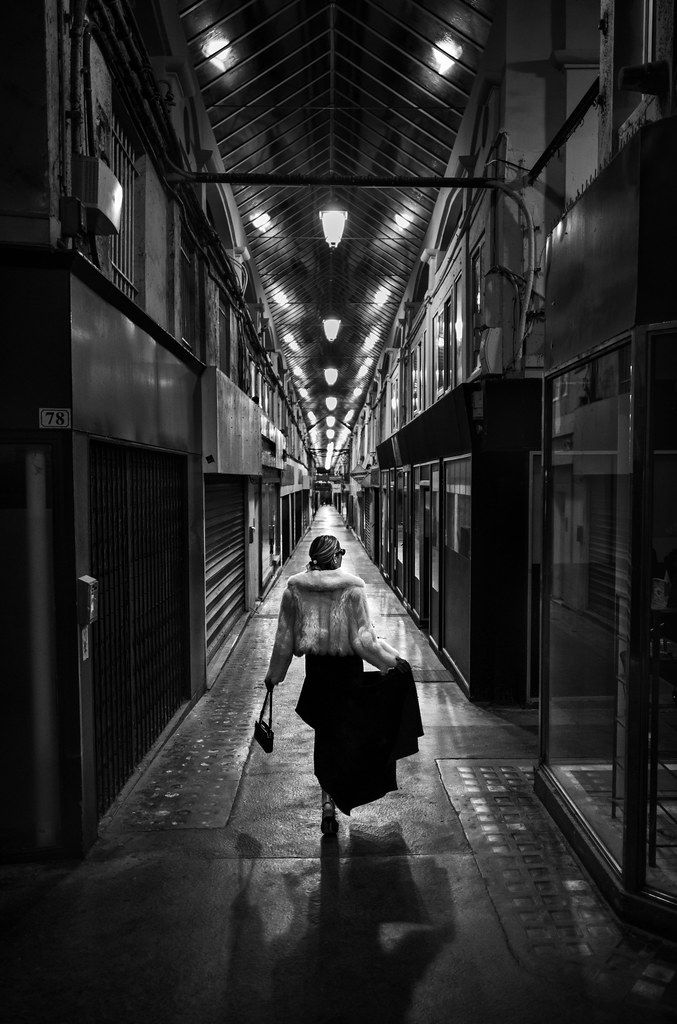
[(211, 897)]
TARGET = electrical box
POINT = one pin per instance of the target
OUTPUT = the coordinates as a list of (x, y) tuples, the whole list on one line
[(88, 600)]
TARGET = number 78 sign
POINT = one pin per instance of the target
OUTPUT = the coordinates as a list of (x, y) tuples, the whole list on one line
[(55, 419)]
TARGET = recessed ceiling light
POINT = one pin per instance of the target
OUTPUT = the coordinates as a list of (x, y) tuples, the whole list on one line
[(357, 391), (445, 53), (213, 50), (311, 416), (362, 372), (331, 375), (371, 339), (303, 392), (331, 433), (381, 295), (260, 221), (280, 297)]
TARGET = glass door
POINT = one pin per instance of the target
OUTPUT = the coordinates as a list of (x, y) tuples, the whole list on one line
[(586, 610)]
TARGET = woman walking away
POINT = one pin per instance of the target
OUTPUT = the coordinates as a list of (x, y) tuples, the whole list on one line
[(324, 615)]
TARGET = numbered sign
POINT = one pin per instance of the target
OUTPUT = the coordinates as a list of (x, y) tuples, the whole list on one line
[(55, 419)]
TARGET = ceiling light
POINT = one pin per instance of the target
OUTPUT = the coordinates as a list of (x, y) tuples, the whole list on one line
[(289, 339), (349, 415), (303, 392), (280, 298), (445, 53), (260, 221), (312, 417), (213, 51), (330, 375), (331, 420), (357, 391), (362, 372), (333, 223), (403, 220), (371, 339), (331, 328), (330, 455), (331, 433), (331, 402), (381, 295)]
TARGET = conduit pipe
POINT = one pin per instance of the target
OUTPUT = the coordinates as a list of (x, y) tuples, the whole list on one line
[(76, 34)]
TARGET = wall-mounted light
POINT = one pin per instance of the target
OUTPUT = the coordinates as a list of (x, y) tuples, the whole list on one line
[(330, 375), (333, 223), (331, 328), (331, 402)]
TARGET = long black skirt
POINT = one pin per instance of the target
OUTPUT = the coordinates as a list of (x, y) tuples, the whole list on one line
[(364, 723)]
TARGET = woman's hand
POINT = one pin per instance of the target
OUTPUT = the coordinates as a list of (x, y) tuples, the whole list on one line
[(401, 665), (270, 685)]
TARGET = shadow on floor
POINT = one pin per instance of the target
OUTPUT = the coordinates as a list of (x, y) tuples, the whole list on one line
[(357, 944)]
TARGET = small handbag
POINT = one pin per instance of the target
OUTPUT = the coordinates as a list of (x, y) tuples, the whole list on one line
[(263, 731)]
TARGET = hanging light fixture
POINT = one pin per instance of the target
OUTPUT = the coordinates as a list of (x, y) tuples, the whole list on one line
[(349, 415), (330, 375), (331, 402), (330, 421), (331, 328), (330, 433), (333, 223)]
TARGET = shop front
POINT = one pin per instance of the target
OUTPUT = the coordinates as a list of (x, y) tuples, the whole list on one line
[(608, 767)]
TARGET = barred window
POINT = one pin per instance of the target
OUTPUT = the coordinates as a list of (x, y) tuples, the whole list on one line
[(122, 245)]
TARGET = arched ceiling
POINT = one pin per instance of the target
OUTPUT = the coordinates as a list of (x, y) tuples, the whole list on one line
[(368, 87)]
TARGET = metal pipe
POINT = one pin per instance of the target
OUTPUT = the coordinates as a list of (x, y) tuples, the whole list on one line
[(76, 34), (87, 87)]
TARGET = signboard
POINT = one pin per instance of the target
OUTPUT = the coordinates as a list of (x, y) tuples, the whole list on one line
[(54, 419)]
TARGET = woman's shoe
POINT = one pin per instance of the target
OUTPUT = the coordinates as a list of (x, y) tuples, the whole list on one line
[(329, 824)]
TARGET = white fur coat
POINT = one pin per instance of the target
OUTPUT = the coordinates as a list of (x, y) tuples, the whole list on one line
[(326, 612)]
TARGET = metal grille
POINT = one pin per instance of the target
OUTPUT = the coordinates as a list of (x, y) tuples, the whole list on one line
[(225, 558), (122, 244), (140, 643)]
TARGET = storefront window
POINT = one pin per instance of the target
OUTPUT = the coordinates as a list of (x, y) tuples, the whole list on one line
[(587, 600)]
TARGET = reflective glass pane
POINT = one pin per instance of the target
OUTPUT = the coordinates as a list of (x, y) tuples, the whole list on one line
[(661, 854), (588, 603)]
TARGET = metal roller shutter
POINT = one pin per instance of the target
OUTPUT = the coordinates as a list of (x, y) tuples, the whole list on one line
[(225, 558)]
